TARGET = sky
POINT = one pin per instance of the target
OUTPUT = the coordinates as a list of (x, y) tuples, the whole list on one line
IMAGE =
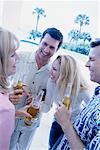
[(61, 14)]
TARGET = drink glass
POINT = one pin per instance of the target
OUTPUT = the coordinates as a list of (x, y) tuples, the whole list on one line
[(67, 102), (33, 110), (18, 86)]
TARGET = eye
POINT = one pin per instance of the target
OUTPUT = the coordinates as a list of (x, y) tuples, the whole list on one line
[(51, 47), (13, 54), (45, 44), (54, 69), (91, 59)]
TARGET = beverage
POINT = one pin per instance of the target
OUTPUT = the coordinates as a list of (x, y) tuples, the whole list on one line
[(67, 102), (33, 111), (18, 86)]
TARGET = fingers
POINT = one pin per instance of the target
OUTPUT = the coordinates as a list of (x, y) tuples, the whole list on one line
[(26, 90), (18, 92), (26, 114), (59, 104), (15, 98), (28, 101), (22, 113)]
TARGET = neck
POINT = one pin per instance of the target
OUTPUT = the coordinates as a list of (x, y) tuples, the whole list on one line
[(40, 63)]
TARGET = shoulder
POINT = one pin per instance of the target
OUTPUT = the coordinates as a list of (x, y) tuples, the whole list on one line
[(50, 84), (3, 96), (25, 55), (84, 94)]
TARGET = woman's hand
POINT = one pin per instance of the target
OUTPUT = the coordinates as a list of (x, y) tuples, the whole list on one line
[(15, 96), (22, 112)]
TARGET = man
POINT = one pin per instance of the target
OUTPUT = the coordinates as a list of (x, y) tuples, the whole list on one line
[(34, 72), (84, 134)]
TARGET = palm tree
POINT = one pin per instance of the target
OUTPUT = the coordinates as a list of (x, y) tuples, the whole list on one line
[(39, 12), (82, 20), (74, 35), (86, 36)]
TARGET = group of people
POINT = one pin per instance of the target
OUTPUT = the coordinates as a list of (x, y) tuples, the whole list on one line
[(76, 128)]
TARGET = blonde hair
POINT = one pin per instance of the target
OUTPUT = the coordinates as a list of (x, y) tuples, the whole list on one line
[(8, 43), (70, 76)]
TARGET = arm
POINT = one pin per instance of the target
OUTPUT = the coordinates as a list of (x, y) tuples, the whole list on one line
[(95, 142), (63, 117), (47, 104)]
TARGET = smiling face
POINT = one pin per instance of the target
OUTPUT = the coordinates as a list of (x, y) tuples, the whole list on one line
[(11, 69), (47, 47), (94, 64), (55, 71)]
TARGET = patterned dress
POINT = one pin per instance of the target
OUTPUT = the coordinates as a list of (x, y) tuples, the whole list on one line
[(87, 126)]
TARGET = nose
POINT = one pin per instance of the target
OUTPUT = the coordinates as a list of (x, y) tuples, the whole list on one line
[(47, 49), (87, 64), (51, 71), (17, 57)]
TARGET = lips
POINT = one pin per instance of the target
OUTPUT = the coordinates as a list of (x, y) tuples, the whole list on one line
[(52, 77), (14, 67), (44, 54)]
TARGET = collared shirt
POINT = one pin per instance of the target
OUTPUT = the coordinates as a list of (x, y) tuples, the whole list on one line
[(87, 126), (7, 121), (34, 78)]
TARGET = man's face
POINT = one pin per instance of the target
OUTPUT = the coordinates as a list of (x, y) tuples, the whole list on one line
[(94, 64), (47, 47)]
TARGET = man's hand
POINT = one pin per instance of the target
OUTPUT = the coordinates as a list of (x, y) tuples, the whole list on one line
[(63, 116)]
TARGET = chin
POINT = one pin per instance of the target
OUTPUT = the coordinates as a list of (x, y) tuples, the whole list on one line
[(52, 79), (13, 72), (92, 79)]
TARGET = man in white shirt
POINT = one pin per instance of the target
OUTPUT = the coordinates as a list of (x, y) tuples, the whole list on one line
[(33, 70)]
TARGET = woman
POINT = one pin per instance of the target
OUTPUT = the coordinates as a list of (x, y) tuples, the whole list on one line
[(84, 133), (8, 46), (65, 76)]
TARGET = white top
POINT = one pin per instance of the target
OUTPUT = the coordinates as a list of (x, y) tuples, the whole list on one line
[(54, 96), (28, 73)]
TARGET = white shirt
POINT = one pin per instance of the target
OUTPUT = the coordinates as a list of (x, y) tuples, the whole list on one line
[(28, 73), (54, 96)]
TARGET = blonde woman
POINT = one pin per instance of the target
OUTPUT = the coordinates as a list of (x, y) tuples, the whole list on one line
[(8, 46), (65, 75)]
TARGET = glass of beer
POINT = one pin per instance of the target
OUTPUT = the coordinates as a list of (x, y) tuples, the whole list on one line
[(19, 85), (66, 99), (33, 110)]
